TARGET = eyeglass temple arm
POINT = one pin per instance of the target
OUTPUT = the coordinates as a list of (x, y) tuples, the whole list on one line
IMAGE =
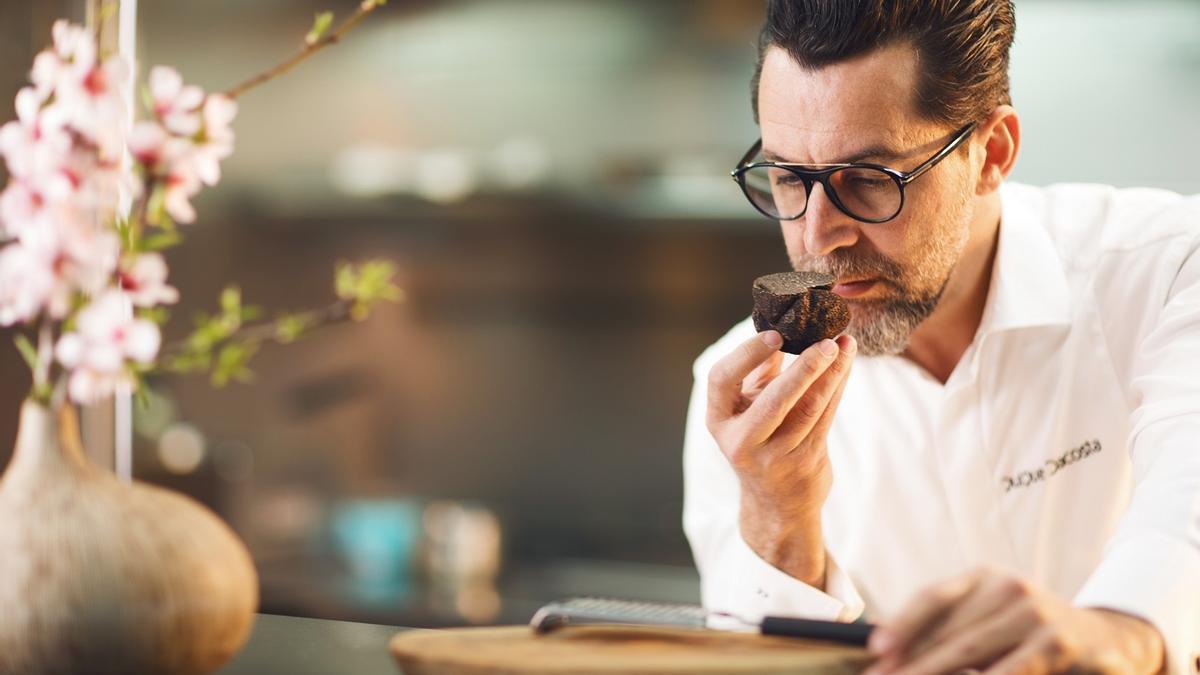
[(747, 157), (928, 164)]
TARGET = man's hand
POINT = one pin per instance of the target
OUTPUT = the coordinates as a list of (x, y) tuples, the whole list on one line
[(771, 426), (998, 623)]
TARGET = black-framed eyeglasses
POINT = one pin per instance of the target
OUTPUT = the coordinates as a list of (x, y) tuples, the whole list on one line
[(870, 193)]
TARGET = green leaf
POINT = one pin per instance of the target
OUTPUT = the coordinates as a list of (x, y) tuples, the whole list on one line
[(161, 240), (321, 24), (140, 394), (124, 232), (291, 327), (188, 363), (156, 206), (158, 315), (366, 285), (200, 318), (231, 363), (231, 300), (147, 98), (27, 351)]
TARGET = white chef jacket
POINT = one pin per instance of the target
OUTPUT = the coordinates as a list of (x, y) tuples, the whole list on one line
[(1065, 445)]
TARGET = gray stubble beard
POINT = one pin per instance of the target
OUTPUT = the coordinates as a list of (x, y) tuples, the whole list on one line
[(883, 327)]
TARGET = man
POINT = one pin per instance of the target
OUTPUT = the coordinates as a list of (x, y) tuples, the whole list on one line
[(1008, 478)]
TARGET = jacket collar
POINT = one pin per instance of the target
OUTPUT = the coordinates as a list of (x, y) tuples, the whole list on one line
[(1029, 286)]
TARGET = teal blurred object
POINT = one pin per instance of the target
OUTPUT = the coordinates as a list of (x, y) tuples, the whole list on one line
[(378, 539)]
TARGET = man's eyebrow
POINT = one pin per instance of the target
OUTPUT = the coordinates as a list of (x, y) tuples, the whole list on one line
[(878, 152)]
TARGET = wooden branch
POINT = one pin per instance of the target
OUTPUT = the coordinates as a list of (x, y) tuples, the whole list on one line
[(335, 313), (364, 8)]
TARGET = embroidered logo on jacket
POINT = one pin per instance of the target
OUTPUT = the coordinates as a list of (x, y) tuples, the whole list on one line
[(1051, 466)]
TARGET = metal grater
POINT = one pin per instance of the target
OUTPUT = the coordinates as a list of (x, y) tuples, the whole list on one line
[(604, 610), (635, 613)]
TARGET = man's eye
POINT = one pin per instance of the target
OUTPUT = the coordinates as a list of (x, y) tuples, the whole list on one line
[(869, 183), (788, 180)]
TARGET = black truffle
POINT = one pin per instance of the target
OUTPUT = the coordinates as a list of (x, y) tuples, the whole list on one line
[(801, 306)]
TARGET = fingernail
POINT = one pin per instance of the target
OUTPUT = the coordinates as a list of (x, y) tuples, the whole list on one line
[(828, 347), (851, 345), (772, 339)]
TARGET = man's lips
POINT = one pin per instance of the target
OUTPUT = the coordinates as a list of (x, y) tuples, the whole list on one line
[(853, 289)]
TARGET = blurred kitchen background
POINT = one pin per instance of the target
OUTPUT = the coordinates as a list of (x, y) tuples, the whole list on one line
[(551, 179)]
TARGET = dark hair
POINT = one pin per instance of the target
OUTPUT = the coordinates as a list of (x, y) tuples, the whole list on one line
[(962, 45)]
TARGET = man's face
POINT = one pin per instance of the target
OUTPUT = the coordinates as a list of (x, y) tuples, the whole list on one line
[(834, 114)]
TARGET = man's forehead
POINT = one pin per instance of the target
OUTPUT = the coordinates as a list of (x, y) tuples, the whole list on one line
[(833, 148), (863, 104)]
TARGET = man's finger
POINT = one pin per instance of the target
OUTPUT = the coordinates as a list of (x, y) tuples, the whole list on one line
[(991, 597), (762, 375), (778, 398), (848, 344), (973, 646), (915, 620), (817, 402), (725, 378), (1037, 654), (757, 380)]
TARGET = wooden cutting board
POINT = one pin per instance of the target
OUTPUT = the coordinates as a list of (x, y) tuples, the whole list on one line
[(601, 650)]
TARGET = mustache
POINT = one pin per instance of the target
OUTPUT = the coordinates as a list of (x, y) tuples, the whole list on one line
[(843, 264)]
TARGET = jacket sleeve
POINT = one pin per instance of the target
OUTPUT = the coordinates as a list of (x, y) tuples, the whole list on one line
[(733, 578), (1151, 566)]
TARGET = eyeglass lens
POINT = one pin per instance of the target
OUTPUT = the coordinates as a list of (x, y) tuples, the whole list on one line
[(864, 192)]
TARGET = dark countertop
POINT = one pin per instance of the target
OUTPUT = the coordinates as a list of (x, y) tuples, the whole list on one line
[(291, 645), (296, 646)]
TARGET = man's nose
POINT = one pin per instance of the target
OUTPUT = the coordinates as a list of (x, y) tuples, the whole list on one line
[(826, 228)]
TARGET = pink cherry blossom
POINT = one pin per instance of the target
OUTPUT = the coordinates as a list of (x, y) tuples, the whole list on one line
[(80, 257), (144, 279), (174, 168), (36, 140), (73, 44), (87, 255), (168, 159), (77, 182), (84, 93), (71, 58), (177, 106), (147, 143), (26, 282), (105, 340), (93, 106), (48, 164), (35, 147), (181, 185), (217, 138), (21, 208)]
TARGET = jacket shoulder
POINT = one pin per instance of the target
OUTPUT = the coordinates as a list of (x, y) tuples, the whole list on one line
[(1087, 221)]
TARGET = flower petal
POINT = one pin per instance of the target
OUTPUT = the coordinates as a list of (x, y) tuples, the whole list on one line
[(142, 340)]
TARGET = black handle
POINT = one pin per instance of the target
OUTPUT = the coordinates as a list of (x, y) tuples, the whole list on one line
[(850, 633)]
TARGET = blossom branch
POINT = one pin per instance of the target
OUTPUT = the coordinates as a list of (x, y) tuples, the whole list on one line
[(40, 360), (41, 377), (314, 43), (224, 343), (70, 266), (286, 329)]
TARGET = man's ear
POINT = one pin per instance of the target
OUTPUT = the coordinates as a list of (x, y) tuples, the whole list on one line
[(1001, 138)]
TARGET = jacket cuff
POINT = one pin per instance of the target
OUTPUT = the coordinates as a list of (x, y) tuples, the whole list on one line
[(759, 589)]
